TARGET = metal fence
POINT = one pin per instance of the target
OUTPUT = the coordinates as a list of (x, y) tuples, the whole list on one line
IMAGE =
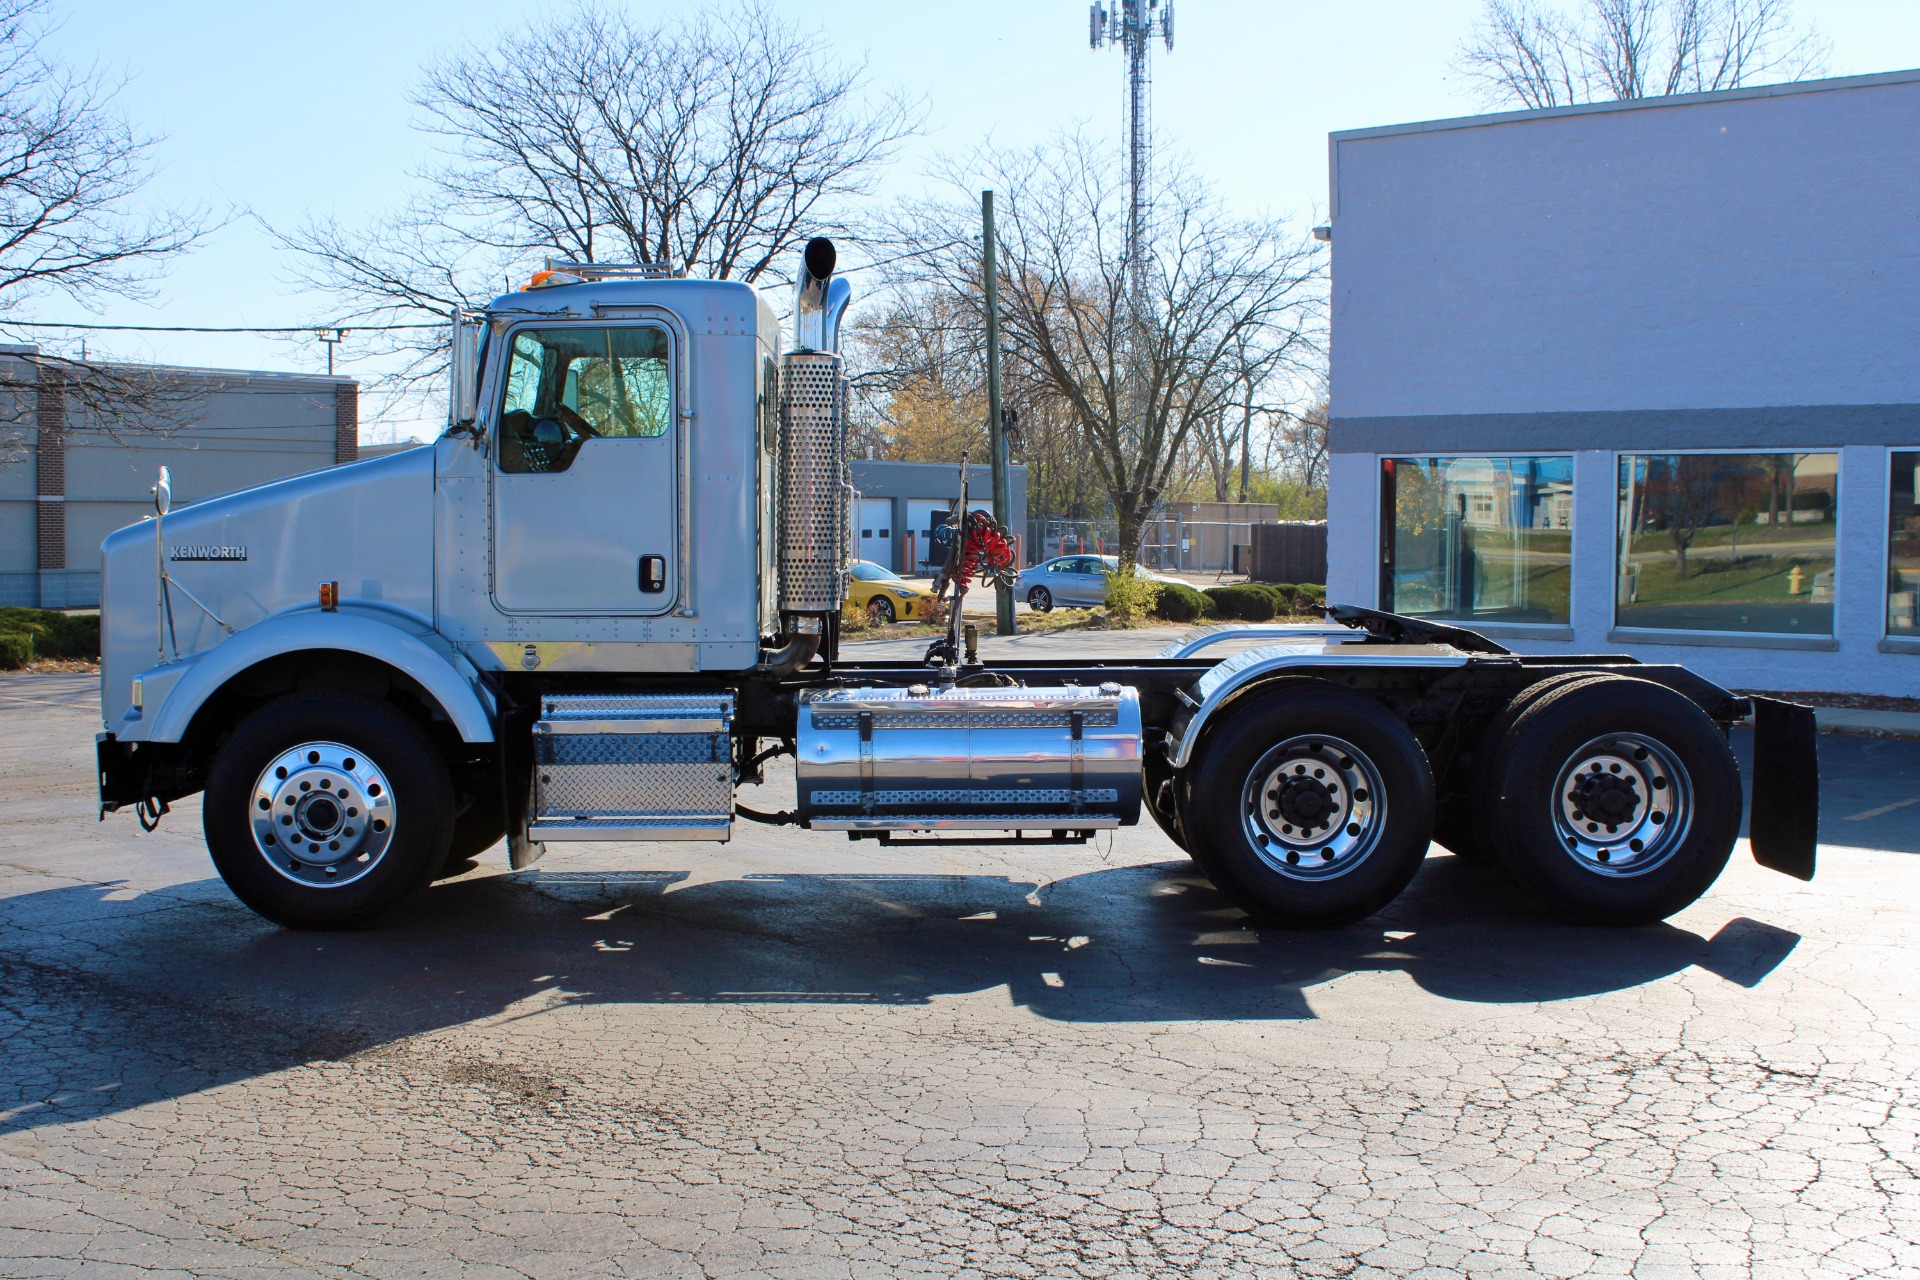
[(1169, 543)]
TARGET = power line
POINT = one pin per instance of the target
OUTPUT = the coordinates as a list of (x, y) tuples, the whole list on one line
[(183, 328)]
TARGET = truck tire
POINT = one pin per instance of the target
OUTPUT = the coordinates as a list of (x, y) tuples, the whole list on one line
[(326, 810), (1460, 826), (476, 829), (1312, 806), (1160, 793), (1612, 800)]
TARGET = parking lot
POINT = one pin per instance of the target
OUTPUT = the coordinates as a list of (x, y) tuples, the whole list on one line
[(797, 1056)]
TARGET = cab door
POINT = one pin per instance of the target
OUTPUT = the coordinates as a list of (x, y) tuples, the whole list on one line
[(585, 484)]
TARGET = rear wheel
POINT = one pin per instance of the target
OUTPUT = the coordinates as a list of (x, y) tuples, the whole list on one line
[(1041, 599), (1313, 806), (1461, 822), (325, 811), (1614, 800), (1160, 791)]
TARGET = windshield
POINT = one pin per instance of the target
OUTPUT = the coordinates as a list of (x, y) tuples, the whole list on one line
[(868, 571)]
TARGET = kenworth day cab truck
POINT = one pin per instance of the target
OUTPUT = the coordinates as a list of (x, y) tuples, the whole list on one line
[(608, 595)]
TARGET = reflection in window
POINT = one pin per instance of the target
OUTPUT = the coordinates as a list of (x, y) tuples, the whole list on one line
[(1477, 539), (1727, 542), (568, 386), (1903, 547)]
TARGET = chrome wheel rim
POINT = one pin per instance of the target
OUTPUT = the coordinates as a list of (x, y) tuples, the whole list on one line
[(1622, 805), (322, 814), (1313, 807)]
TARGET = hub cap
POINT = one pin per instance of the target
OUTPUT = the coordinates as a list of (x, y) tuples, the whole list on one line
[(1313, 807), (322, 814), (1622, 805)]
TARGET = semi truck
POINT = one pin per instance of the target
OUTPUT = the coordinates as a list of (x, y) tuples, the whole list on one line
[(607, 598)]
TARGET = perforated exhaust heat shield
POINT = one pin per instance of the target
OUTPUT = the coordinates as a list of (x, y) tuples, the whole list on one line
[(813, 452)]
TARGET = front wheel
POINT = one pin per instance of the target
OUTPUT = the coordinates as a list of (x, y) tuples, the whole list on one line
[(1312, 806), (1040, 598), (1613, 800), (880, 611), (324, 811)]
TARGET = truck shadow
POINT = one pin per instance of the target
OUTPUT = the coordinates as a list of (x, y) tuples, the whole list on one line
[(108, 1004)]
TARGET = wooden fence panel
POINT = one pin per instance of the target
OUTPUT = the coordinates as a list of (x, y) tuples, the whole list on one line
[(1290, 552)]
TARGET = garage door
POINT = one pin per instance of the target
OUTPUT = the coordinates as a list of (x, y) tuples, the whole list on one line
[(922, 515), (875, 532)]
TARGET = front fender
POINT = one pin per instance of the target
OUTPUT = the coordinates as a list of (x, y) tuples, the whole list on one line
[(391, 638)]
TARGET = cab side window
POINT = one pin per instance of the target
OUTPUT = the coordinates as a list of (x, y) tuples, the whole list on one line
[(566, 386)]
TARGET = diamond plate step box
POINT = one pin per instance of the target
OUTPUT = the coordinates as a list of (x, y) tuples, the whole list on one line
[(630, 766)]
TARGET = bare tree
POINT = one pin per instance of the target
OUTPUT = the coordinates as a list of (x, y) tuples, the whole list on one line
[(1532, 53), (719, 142), (72, 170), (1216, 283)]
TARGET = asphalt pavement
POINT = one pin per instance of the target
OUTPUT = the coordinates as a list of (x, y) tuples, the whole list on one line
[(797, 1056)]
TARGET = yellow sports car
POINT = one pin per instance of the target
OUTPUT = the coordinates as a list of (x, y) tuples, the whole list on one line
[(883, 596)]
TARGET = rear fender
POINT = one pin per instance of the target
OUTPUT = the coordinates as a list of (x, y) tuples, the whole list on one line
[(1227, 680), (391, 638)]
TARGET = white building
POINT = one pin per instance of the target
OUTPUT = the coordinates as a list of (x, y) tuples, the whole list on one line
[(1640, 376), (66, 482)]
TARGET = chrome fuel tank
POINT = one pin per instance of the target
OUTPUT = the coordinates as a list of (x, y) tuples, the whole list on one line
[(880, 759)]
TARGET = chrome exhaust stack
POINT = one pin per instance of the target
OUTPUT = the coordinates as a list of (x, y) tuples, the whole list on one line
[(811, 517)]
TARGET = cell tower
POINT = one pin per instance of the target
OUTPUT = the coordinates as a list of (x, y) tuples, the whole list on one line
[(1132, 25)]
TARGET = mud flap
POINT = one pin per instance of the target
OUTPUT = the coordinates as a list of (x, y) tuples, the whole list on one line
[(1784, 824), (516, 784)]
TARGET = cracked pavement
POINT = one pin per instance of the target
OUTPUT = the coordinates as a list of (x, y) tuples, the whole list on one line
[(795, 1056)]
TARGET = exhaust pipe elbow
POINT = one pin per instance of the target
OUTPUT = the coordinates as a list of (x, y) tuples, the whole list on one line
[(796, 653), (819, 299)]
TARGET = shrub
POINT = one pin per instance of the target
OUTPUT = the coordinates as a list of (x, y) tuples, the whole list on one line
[(1244, 602), (1283, 597), (27, 634), (16, 649), (1179, 602), (1130, 597), (1310, 597)]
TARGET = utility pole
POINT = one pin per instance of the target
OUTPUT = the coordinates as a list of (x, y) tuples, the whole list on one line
[(996, 426)]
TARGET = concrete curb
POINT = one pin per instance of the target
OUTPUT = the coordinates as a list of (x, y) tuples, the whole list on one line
[(1877, 724)]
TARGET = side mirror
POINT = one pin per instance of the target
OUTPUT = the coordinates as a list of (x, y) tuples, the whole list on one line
[(464, 363), (163, 493)]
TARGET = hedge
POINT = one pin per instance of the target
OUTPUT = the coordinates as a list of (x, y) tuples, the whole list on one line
[(1178, 602), (27, 634), (1264, 601), (1244, 602)]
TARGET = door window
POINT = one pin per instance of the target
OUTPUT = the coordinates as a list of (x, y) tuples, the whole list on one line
[(566, 386)]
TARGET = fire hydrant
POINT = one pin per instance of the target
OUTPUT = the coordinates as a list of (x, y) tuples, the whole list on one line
[(1796, 580)]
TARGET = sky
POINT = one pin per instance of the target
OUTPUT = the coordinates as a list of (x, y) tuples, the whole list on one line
[(275, 110)]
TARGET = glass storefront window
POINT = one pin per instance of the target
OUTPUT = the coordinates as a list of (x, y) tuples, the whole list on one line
[(1477, 539), (1903, 547), (1727, 542)]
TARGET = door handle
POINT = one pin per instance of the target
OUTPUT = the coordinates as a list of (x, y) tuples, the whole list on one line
[(653, 574)]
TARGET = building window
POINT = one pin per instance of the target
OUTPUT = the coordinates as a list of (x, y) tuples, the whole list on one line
[(1727, 542), (1903, 547), (1477, 539)]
